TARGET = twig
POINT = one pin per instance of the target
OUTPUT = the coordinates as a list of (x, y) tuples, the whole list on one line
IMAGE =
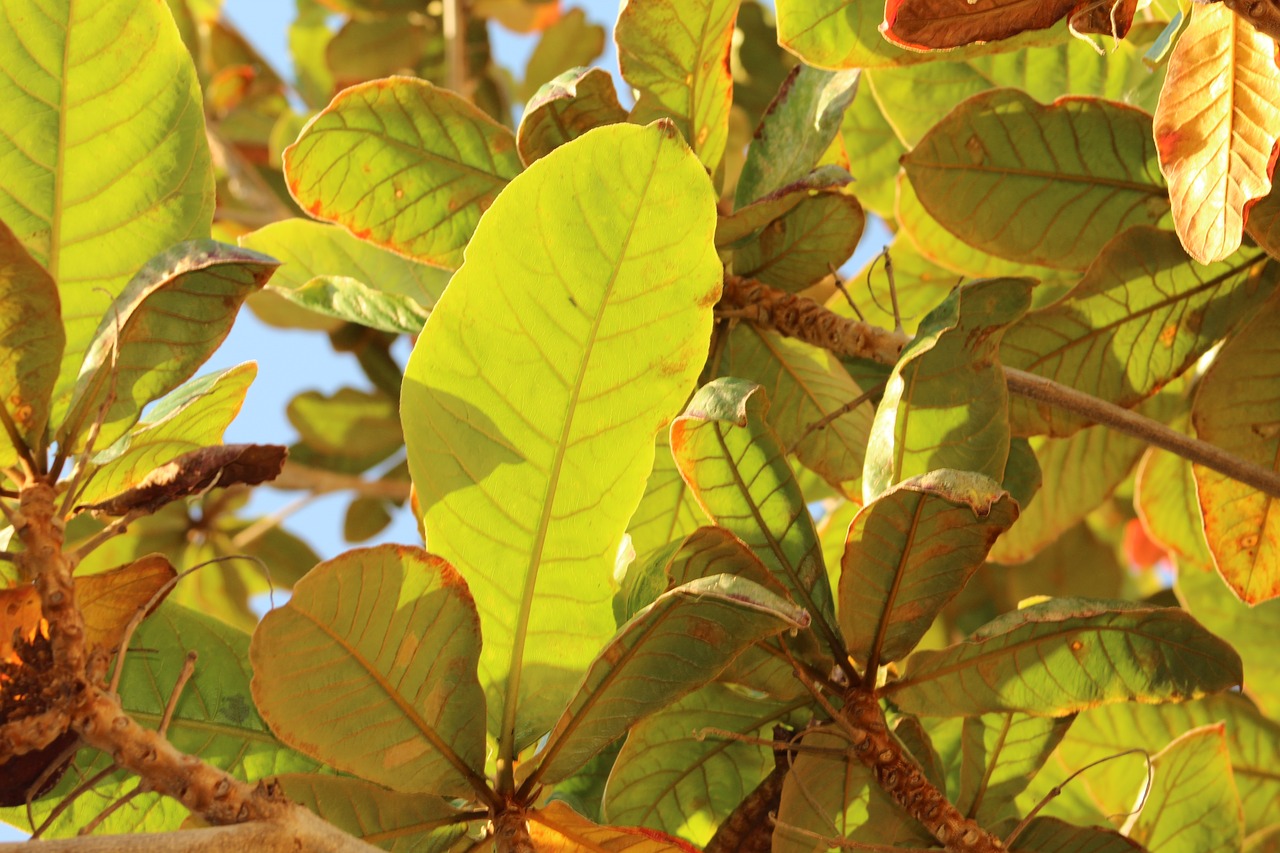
[(24, 453), (893, 289), (297, 477), (263, 525), (848, 407), (119, 803), (188, 669), (112, 530), (848, 297)]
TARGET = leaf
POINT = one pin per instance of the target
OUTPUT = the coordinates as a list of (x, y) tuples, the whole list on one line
[(365, 518), (941, 24), (668, 511), (738, 472), (668, 777), (363, 50), (1081, 167), (811, 391), (909, 552), (739, 226), (1263, 222), (1193, 806), (945, 404), (162, 327), (584, 791), (1251, 630), (379, 683), (1066, 655), (1050, 835), (565, 108), (803, 245), (874, 150), (103, 129), (1001, 755), (440, 164), (556, 828), (1166, 502), (1232, 410), (568, 43), (671, 648), (798, 127), (401, 823), (193, 415), (350, 300), (31, 340), (1140, 317), (110, 600), (351, 429), (596, 291), (676, 56), (919, 283), (195, 472), (1216, 127)]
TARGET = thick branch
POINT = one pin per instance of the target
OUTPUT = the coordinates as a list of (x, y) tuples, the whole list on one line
[(806, 320)]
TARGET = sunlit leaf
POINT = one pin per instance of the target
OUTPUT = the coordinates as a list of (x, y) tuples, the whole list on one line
[(584, 790), (874, 150), (918, 283), (567, 44), (161, 328), (380, 683), (1141, 315), (595, 274), (1077, 173), (800, 124), (1193, 806), (31, 341), (739, 473), (1216, 126), (363, 50), (102, 131), (559, 829), (1067, 655), (945, 404), (803, 245), (350, 429), (1233, 409), (1252, 631), (1165, 498), (404, 165), (564, 109), (309, 35), (675, 53), (1001, 755), (941, 24), (909, 552)]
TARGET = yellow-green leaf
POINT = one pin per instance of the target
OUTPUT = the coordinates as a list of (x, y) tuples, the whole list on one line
[(1216, 125), (557, 828), (586, 301), (404, 165), (370, 667), (31, 341), (1165, 498), (1051, 835), (564, 109)]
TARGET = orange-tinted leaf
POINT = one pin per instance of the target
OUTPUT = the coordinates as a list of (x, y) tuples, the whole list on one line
[(1216, 128), (940, 24), (559, 829), (109, 600), (20, 614)]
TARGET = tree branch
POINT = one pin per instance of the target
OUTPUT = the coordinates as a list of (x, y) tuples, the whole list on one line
[(297, 477)]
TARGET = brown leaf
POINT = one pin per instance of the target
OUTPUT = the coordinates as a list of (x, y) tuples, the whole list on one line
[(942, 24), (195, 472), (110, 599), (1104, 17), (1265, 16)]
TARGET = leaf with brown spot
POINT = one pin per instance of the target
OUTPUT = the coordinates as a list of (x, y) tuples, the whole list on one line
[(194, 472), (108, 601), (942, 24)]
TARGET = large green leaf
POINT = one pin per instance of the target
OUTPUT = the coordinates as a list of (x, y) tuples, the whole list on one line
[(565, 108), (739, 473), (31, 341), (1193, 806), (1141, 315), (796, 130), (945, 404), (440, 162), (1001, 755), (675, 53), (1066, 655), (671, 648), (370, 667), (1251, 630), (1077, 173), (401, 823), (1234, 408), (194, 415), (172, 316), (670, 778), (530, 433), (909, 552), (103, 139), (350, 430)]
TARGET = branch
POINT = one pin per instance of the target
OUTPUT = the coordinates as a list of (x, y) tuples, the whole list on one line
[(297, 477), (802, 318)]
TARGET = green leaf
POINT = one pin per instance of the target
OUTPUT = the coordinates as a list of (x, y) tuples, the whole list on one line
[(1078, 173), (192, 416), (1234, 409), (796, 130), (675, 53), (670, 778), (1141, 316), (1165, 498), (309, 36), (740, 225), (381, 683), (1066, 655), (568, 43), (357, 428), (874, 150), (595, 274), (668, 511), (919, 283), (584, 790), (102, 128), (1251, 630), (565, 108), (350, 300), (440, 163), (671, 648), (1193, 806), (401, 823), (909, 552), (1022, 475), (1050, 835), (739, 473), (810, 391), (364, 50), (172, 316), (31, 341), (945, 404), (364, 519), (1001, 755)]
